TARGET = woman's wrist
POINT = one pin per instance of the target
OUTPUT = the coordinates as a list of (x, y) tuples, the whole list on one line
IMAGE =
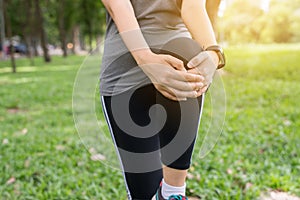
[(214, 56), (140, 55)]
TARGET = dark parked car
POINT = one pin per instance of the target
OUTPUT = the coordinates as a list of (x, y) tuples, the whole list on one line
[(19, 48)]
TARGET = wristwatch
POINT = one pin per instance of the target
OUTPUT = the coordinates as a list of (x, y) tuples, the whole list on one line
[(219, 50)]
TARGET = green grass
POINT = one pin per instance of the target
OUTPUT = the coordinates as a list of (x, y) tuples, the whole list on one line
[(258, 150)]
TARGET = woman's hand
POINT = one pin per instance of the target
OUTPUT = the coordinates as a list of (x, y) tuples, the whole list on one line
[(168, 75), (205, 64), (196, 19)]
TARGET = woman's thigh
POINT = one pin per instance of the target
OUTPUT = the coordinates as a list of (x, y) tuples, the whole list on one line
[(130, 120)]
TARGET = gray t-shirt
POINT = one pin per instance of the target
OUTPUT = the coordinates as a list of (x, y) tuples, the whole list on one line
[(160, 22)]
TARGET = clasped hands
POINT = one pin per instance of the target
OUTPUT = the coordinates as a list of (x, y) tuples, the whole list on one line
[(173, 80)]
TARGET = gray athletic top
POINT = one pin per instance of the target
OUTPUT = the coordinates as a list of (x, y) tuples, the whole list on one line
[(160, 21)]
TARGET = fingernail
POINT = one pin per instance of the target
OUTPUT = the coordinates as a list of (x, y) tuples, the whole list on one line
[(200, 85)]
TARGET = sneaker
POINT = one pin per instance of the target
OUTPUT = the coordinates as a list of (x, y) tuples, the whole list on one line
[(177, 197), (159, 196)]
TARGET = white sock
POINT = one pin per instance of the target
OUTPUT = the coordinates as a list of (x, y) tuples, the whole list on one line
[(168, 190)]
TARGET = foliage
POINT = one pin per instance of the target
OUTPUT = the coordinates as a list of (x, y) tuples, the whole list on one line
[(41, 156), (244, 21), (18, 21), (92, 13), (88, 15)]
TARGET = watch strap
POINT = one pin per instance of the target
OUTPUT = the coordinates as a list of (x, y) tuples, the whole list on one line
[(219, 50)]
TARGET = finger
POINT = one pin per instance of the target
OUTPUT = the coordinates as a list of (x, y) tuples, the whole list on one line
[(203, 90), (169, 94), (175, 62), (199, 93), (174, 98), (197, 71), (183, 94), (172, 73), (189, 82), (189, 77), (181, 85), (186, 86), (178, 94), (197, 60)]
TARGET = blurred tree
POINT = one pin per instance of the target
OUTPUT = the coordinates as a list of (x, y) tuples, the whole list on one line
[(28, 27), (92, 18), (41, 30), (76, 39), (238, 23), (9, 34), (61, 18), (23, 23), (65, 17), (245, 21), (2, 29), (280, 20)]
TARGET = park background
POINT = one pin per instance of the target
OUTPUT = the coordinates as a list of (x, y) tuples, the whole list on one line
[(44, 43)]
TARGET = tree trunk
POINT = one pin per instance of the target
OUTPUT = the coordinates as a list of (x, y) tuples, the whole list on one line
[(90, 34), (98, 45), (29, 49), (34, 44), (82, 42), (2, 29), (61, 27), (12, 51), (9, 34), (41, 30), (76, 39), (28, 30), (90, 40)]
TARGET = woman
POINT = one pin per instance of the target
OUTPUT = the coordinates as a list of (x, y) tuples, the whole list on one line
[(152, 94)]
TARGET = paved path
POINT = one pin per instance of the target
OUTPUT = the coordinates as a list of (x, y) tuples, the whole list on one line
[(272, 195)]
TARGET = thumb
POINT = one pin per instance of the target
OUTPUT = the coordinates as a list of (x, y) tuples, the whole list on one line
[(175, 62), (197, 60)]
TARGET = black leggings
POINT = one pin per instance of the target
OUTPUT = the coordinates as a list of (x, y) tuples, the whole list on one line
[(149, 130)]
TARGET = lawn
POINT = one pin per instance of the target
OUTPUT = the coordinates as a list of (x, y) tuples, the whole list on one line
[(42, 156)]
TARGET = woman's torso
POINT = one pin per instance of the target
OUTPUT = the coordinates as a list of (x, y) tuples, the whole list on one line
[(160, 21)]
